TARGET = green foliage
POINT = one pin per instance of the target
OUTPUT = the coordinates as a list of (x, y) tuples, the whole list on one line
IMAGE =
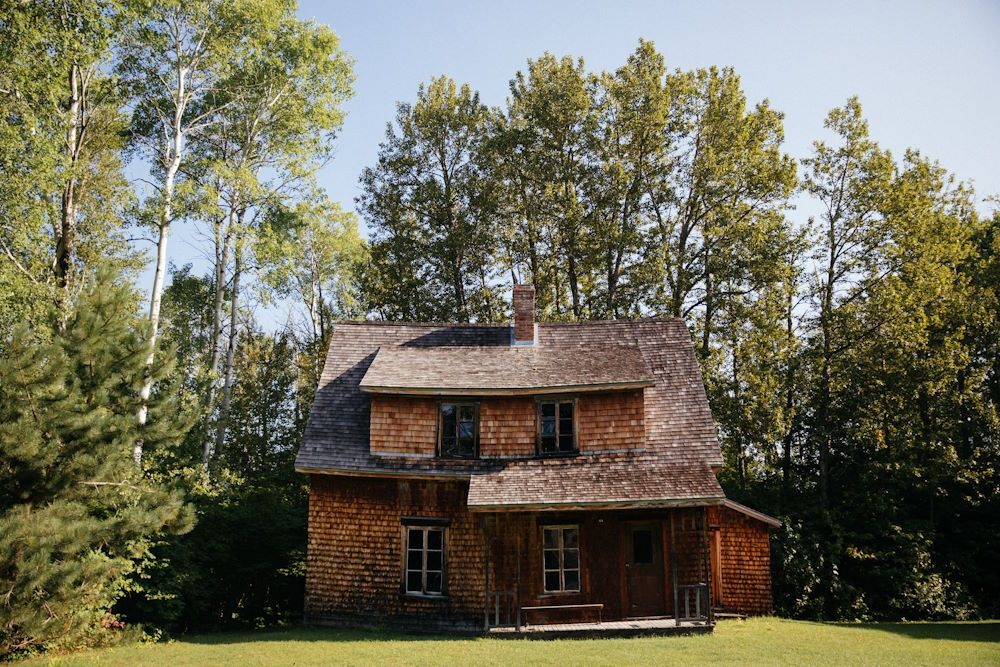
[(75, 511)]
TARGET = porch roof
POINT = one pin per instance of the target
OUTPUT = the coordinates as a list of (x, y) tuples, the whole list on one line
[(625, 481)]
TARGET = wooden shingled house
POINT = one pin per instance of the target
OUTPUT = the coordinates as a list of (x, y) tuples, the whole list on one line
[(520, 478)]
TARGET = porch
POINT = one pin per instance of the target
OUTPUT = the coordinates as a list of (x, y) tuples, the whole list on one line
[(639, 627), (598, 572)]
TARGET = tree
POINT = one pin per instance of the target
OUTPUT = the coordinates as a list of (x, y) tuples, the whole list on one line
[(428, 204), (281, 106), (173, 60), (75, 511), (62, 157), (314, 252), (546, 158)]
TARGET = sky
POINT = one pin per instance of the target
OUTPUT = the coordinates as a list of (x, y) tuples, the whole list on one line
[(927, 73)]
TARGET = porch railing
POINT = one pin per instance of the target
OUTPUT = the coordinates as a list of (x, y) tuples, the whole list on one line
[(502, 610), (694, 596)]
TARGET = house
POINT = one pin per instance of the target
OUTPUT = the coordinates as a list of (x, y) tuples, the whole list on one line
[(474, 477)]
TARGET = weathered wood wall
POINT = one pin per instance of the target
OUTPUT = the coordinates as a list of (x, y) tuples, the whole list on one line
[(403, 425), (507, 425), (746, 563), (355, 553), (611, 421)]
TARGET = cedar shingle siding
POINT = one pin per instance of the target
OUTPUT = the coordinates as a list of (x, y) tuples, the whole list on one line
[(354, 569), (746, 564), (611, 421)]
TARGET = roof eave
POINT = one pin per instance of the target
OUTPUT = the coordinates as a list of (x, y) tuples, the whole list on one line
[(507, 391), (570, 505)]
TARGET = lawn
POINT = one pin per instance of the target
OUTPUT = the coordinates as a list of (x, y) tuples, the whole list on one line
[(763, 641)]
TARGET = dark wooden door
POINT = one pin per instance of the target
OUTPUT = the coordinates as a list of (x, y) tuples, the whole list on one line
[(643, 569)]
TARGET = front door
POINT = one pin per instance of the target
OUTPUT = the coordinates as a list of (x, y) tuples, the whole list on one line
[(644, 569)]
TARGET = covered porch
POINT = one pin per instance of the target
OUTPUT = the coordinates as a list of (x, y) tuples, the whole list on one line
[(614, 572)]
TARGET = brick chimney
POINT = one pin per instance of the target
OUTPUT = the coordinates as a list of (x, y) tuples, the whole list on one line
[(524, 314)]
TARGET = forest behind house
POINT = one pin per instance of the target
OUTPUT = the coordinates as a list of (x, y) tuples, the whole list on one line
[(148, 431)]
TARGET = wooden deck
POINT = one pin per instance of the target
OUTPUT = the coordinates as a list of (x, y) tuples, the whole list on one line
[(628, 628)]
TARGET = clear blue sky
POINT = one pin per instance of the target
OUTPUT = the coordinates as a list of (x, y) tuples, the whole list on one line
[(927, 73)]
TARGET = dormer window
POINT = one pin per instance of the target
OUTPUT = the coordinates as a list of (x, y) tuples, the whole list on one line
[(556, 432), (458, 426)]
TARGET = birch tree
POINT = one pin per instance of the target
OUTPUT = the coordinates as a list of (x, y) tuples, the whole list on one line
[(174, 60), (281, 106)]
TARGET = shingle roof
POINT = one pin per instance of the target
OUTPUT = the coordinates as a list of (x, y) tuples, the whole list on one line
[(505, 369), (621, 481), (678, 422)]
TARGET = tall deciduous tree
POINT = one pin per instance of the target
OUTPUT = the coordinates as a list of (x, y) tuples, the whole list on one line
[(174, 60), (428, 204)]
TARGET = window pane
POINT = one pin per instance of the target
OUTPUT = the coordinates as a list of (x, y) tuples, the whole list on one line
[(642, 547), (566, 442), (548, 426), (434, 538), (434, 560), (551, 559), (413, 580), (566, 411), (548, 409), (572, 579), (571, 558), (466, 430), (433, 582), (416, 538), (467, 413), (571, 537), (550, 538), (548, 443), (414, 560), (552, 581)]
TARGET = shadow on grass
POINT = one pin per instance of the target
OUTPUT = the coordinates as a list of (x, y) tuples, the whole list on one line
[(320, 634), (972, 631)]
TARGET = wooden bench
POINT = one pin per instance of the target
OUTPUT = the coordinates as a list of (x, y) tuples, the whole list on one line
[(599, 608)]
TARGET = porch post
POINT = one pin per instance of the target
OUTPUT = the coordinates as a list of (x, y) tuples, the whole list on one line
[(486, 596), (708, 564), (517, 583), (673, 564)]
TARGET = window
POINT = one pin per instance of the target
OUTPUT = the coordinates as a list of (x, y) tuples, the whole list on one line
[(459, 429), (424, 560), (555, 427), (561, 558)]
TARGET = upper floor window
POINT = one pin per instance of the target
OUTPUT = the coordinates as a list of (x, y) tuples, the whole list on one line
[(556, 433), (459, 430)]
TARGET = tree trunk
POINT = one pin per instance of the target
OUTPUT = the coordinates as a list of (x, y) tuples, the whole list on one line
[(221, 260), (234, 334), (156, 296), (66, 242)]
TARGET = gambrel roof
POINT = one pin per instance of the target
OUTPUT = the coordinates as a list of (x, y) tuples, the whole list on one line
[(680, 446)]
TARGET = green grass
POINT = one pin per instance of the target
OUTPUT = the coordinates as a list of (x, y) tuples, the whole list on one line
[(757, 641)]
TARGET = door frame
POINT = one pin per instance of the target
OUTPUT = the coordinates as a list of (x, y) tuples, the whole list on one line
[(656, 527)]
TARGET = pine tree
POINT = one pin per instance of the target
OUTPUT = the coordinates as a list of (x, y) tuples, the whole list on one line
[(75, 510)]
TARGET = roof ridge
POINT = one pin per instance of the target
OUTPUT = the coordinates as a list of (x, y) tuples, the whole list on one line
[(486, 325)]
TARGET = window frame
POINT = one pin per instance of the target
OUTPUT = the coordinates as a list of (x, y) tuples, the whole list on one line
[(539, 402), (424, 527), (561, 550), (475, 428)]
